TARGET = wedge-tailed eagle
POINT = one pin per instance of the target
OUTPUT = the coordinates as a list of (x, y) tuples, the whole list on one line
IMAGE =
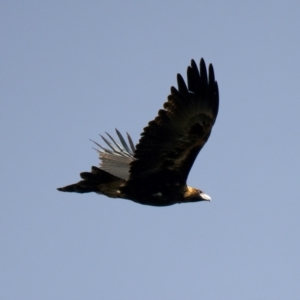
[(155, 171)]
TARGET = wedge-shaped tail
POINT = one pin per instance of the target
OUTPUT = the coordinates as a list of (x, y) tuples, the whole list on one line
[(97, 181)]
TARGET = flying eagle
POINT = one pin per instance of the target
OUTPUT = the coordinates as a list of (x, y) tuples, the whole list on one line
[(155, 171)]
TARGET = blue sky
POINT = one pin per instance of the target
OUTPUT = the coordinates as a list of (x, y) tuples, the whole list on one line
[(71, 70)]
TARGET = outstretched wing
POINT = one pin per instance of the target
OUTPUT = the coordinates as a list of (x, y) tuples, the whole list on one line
[(172, 141)]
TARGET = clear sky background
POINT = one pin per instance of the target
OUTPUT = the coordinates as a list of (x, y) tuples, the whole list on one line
[(71, 70)]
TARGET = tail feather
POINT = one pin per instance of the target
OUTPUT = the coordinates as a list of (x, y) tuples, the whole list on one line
[(91, 182)]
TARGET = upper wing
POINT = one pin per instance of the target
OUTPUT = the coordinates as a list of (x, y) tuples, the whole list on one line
[(172, 141)]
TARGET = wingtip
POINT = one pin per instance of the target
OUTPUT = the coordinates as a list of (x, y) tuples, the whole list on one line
[(202, 62), (211, 73), (193, 63)]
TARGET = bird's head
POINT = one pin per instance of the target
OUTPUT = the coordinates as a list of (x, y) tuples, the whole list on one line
[(194, 195)]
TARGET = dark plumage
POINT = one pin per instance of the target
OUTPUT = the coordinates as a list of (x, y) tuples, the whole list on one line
[(155, 171)]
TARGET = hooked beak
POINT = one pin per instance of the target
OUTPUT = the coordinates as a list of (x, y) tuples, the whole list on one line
[(205, 197)]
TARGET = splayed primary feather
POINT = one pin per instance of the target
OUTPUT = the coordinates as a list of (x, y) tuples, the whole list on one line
[(117, 160)]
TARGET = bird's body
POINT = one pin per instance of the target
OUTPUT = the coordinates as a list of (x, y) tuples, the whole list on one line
[(155, 171)]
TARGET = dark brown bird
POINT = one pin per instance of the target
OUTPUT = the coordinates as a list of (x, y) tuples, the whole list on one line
[(156, 170)]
